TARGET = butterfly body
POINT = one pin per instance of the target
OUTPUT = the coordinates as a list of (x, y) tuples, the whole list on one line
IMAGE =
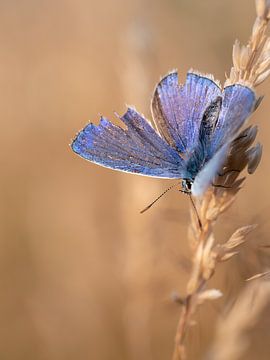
[(194, 125)]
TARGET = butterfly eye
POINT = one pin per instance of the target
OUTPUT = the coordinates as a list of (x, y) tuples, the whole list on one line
[(186, 185)]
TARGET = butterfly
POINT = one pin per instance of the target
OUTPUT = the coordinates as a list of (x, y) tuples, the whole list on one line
[(194, 126)]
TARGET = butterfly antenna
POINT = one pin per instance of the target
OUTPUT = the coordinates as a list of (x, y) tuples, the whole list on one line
[(196, 211), (152, 203)]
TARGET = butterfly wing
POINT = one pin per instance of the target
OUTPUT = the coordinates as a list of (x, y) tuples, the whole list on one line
[(238, 103), (220, 124), (178, 109), (200, 153), (205, 177), (136, 149)]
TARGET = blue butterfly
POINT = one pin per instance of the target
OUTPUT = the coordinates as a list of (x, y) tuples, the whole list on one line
[(195, 124)]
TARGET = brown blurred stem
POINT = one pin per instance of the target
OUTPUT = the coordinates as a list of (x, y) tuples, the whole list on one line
[(188, 308)]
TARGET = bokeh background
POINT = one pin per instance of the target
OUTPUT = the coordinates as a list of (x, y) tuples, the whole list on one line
[(82, 274)]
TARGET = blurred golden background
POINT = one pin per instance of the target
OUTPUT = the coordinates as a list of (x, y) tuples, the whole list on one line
[(82, 274)]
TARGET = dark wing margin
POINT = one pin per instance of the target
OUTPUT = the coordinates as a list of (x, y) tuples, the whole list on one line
[(209, 121), (202, 151), (178, 109), (137, 149)]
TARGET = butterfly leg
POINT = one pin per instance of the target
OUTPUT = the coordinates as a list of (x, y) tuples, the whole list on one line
[(221, 186), (228, 172)]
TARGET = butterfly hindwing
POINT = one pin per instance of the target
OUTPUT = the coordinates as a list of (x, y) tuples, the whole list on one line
[(209, 121), (209, 171)]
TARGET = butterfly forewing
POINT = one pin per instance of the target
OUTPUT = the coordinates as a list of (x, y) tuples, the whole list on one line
[(238, 103), (137, 149), (178, 109)]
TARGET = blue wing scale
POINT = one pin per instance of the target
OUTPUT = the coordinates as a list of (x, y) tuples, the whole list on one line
[(137, 149), (178, 109)]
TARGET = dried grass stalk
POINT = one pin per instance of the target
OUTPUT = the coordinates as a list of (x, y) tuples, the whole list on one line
[(232, 331), (251, 64)]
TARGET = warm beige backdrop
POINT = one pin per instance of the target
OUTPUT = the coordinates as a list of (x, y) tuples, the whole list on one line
[(82, 274)]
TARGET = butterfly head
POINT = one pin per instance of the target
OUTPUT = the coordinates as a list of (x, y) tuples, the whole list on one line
[(186, 186)]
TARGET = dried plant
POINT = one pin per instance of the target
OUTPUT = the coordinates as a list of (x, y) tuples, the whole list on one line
[(231, 339), (251, 64)]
